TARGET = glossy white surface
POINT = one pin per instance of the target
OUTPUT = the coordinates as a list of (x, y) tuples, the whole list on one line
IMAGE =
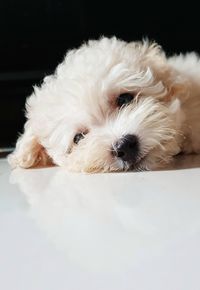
[(125, 231)]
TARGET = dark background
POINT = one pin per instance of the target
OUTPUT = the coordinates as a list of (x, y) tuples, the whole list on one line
[(35, 35)]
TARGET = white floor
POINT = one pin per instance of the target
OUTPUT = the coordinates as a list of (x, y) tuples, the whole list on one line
[(125, 231)]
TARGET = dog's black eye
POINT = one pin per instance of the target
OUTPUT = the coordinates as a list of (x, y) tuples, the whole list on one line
[(78, 137), (124, 99)]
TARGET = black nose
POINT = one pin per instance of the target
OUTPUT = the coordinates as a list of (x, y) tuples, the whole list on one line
[(127, 148)]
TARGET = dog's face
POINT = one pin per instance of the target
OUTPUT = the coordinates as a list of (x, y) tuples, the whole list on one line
[(109, 107)]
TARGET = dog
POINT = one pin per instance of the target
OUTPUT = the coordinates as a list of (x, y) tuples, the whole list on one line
[(113, 106)]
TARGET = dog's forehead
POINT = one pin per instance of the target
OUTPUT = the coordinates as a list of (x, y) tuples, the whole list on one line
[(97, 59), (98, 62), (88, 111), (90, 76)]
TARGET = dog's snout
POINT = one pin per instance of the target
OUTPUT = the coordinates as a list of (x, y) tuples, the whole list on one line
[(127, 148)]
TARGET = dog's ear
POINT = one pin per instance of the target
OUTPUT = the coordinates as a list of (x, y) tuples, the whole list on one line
[(177, 86), (29, 152), (153, 57), (174, 82), (176, 90), (147, 52)]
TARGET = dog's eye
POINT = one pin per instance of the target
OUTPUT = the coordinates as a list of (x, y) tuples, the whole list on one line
[(124, 99), (78, 137)]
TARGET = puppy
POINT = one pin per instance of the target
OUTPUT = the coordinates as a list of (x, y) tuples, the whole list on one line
[(113, 106)]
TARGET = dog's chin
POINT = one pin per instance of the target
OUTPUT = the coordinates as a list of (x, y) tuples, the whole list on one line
[(136, 164), (139, 165), (143, 162)]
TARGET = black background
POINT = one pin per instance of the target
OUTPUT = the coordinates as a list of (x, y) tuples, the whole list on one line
[(35, 35)]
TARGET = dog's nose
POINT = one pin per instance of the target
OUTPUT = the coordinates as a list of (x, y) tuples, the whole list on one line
[(127, 148)]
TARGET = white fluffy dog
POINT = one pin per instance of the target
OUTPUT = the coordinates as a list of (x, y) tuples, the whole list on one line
[(113, 106)]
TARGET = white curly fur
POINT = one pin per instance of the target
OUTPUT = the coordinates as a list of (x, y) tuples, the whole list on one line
[(81, 97)]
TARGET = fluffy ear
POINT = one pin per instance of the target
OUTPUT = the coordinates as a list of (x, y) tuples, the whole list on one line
[(152, 56), (28, 152), (176, 84), (176, 89)]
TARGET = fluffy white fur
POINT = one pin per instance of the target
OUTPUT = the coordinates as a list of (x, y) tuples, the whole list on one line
[(81, 97)]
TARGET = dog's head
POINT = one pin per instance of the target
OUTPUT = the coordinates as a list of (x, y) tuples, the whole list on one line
[(110, 106)]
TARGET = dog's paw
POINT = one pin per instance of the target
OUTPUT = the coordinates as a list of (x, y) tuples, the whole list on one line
[(25, 160)]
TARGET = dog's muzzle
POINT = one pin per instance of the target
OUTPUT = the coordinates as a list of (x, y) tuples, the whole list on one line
[(127, 148)]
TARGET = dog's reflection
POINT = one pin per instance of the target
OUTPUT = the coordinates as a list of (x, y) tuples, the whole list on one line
[(109, 221)]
